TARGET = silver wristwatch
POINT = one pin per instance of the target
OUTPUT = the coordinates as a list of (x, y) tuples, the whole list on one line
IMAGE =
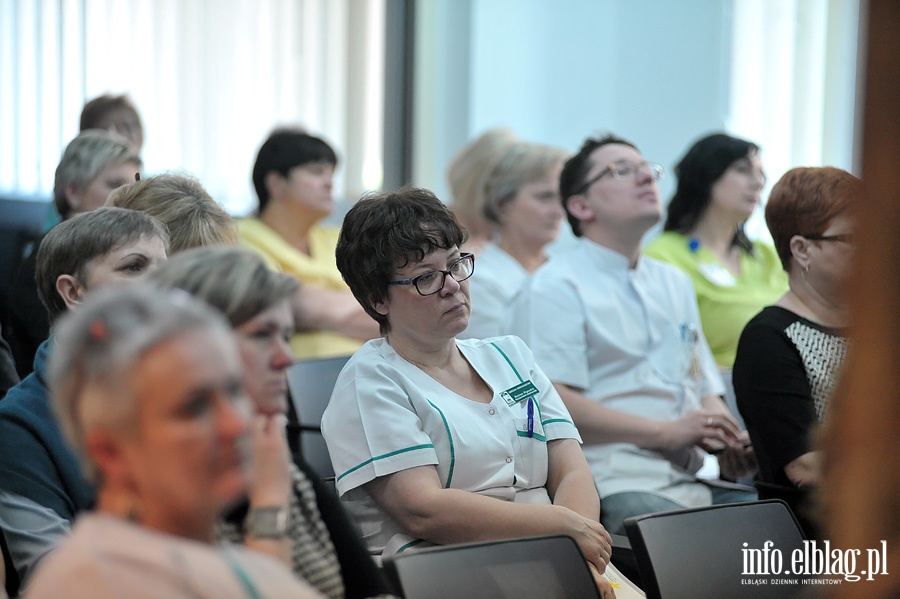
[(266, 522)]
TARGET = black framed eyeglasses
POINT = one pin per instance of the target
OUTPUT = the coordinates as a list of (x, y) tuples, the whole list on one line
[(626, 170), (839, 237), (431, 282)]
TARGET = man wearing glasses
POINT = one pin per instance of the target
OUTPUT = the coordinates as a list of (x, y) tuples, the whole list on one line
[(619, 335)]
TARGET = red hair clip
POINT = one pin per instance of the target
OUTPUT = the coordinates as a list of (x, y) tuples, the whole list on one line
[(97, 329)]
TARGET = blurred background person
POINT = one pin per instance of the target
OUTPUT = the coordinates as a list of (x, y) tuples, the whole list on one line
[(423, 442), (521, 201), (114, 113), (191, 216), (790, 354), (719, 183), (147, 386), (293, 177), (467, 175), (41, 487), (317, 541), (92, 165)]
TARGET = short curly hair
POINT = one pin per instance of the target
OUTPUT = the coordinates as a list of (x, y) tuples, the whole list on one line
[(387, 230)]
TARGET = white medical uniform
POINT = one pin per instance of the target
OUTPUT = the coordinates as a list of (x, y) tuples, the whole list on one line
[(631, 340), (497, 278), (387, 415)]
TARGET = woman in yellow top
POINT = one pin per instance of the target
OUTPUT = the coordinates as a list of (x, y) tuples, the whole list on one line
[(293, 180), (719, 184)]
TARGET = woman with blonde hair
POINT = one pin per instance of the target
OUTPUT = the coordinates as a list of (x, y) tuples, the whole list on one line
[(181, 203), (467, 174), (521, 200)]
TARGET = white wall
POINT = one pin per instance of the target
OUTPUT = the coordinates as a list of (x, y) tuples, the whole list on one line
[(657, 72), (652, 71)]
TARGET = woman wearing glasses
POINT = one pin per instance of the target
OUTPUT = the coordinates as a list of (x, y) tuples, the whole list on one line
[(436, 440), (789, 354), (719, 183)]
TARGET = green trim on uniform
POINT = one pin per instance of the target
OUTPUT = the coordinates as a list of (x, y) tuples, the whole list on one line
[(384, 456), (555, 420), (408, 545), (536, 436), (450, 438), (508, 361)]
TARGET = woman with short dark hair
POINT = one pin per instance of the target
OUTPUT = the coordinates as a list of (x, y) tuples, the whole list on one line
[(443, 440), (293, 178)]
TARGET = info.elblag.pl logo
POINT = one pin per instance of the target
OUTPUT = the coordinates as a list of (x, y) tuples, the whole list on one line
[(816, 563)]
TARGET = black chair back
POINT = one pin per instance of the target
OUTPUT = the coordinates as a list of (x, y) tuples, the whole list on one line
[(703, 553), (550, 567), (310, 383)]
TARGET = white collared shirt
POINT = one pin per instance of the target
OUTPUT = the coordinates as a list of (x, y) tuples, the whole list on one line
[(387, 415), (497, 278), (626, 338)]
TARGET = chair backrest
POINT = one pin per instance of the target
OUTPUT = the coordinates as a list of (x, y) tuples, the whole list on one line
[(550, 567), (799, 500), (310, 383), (712, 552), (21, 220)]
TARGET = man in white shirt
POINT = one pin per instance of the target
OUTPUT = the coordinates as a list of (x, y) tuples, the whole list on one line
[(619, 335)]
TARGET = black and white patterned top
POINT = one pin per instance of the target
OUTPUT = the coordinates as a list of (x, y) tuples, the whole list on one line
[(785, 372), (822, 352)]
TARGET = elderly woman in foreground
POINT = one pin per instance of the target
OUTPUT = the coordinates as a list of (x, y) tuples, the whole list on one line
[(445, 441), (148, 388)]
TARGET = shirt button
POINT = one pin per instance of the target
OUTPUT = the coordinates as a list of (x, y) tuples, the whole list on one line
[(492, 411), (509, 460)]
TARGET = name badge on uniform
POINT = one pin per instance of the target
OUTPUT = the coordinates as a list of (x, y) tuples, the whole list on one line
[(514, 395)]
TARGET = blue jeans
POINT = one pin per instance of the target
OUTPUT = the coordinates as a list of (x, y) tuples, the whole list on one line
[(615, 508)]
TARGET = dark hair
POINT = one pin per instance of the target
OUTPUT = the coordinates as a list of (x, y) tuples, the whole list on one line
[(805, 200), (387, 230), (284, 150), (98, 114), (95, 110), (69, 246), (704, 164), (575, 171)]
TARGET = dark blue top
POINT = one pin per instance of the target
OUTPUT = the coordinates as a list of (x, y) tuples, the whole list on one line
[(35, 461)]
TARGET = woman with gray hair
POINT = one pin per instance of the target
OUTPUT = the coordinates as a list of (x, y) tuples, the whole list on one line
[(521, 198), (313, 536), (147, 386), (92, 165)]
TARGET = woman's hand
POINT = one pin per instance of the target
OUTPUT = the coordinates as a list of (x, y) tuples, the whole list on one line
[(603, 585), (271, 477), (593, 540)]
